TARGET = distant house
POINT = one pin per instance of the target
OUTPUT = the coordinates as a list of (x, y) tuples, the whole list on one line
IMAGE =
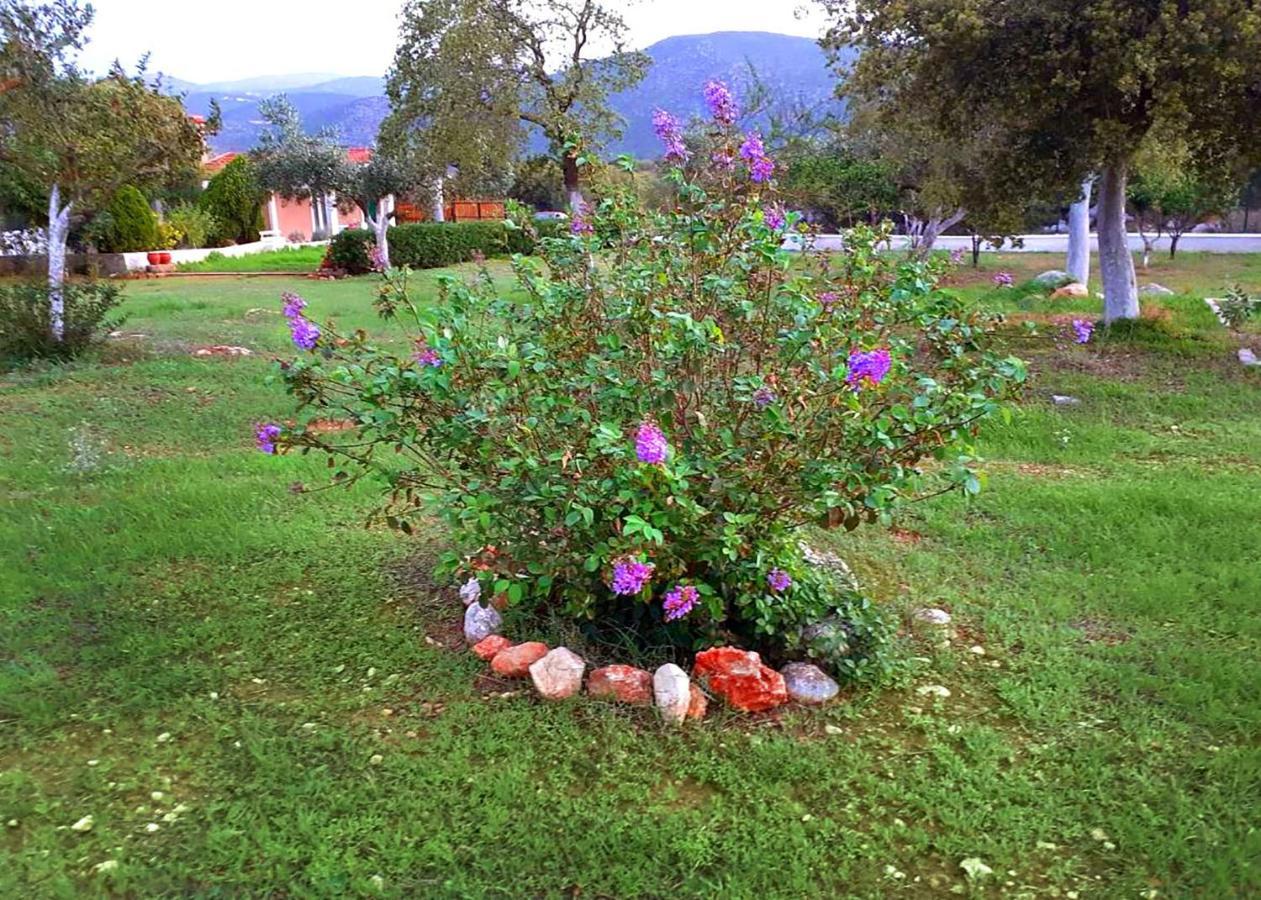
[(302, 220)]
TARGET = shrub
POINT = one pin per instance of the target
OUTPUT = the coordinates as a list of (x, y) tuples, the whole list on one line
[(431, 245), (196, 225), (638, 434), (1237, 307), (235, 200), (26, 326), (127, 224)]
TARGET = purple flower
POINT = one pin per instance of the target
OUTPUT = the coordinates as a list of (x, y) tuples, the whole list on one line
[(680, 601), (650, 444), (722, 106), (426, 355), (1082, 330), (377, 258), (265, 436), (828, 299), (293, 305), (1003, 279), (671, 135), (773, 216), (868, 368), (305, 333), (630, 576), (580, 225), (779, 580), (753, 152), (763, 397)]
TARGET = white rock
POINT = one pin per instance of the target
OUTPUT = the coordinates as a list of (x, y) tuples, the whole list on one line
[(672, 690), (1065, 400), (152, 827), (833, 729), (558, 675), (164, 737), (932, 615), (470, 591), (977, 650), (480, 622), (1248, 358), (975, 868), (933, 690), (108, 865), (84, 824), (1155, 290)]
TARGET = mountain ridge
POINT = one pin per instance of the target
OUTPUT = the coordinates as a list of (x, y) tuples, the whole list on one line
[(791, 67)]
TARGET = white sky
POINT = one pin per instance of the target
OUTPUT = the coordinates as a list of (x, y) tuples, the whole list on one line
[(231, 39)]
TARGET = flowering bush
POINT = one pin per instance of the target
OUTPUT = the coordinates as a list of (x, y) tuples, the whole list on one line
[(639, 433)]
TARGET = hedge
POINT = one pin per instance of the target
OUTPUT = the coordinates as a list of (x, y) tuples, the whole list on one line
[(430, 245)]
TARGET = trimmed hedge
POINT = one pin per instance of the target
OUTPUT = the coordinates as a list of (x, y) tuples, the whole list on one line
[(431, 245)]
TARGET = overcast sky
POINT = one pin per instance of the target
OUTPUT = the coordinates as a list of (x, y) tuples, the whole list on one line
[(230, 39)]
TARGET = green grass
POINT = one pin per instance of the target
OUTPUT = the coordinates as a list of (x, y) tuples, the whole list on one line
[(174, 619), (287, 259)]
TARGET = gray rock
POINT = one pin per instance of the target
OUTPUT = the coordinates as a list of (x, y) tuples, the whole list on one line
[(808, 684), (932, 615), (827, 637), (672, 691), (558, 675), (1065, 400), (835, 566), (1053, 278), (1155, 290), (470, 591), (1248, 358), (480, 622)]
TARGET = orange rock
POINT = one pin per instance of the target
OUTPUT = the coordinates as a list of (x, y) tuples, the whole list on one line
[(698, 706), (1071, 290), (487, 648), (515, 662), (740, 678), (624, 683)]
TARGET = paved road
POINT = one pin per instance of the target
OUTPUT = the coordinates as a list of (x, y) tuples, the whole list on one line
[(1058, 243)]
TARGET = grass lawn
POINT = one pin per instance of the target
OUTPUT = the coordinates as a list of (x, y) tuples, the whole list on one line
[(251, 693), (287, 259)]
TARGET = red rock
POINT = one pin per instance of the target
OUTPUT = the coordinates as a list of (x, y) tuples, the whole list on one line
[(624, 683), (740, 678), (698, 705), (515, 662), (486, 649)]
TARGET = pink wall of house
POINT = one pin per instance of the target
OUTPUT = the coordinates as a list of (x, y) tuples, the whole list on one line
[(294, 217)]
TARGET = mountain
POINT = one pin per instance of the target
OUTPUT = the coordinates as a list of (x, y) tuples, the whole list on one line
[(793, 68)]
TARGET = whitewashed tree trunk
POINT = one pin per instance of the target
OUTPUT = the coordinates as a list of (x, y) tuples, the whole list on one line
[(1116, 264), (1079, 236), (924, 232), (439, 202), (380, 226), (58, 228)]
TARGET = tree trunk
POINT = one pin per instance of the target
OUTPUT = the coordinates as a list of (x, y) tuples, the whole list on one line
[(976, 251), (1173, 244), (1116, 264), (924, 232), (1079, 236), (381, 228), (439, 212), (1148, 244), (58, 227), (1245, 217), (573, 190)]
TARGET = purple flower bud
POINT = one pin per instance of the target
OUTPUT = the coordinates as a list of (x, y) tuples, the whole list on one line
[(779, 580), (1082, 330), (630, 576), (722, 106), (680, 601), (265, 437), (293, 305), (306, 334), (753, 152), (426, 355), (670, 134), (651, 445), (773, 216), (868, 368), (1004, 279), (763, 397)]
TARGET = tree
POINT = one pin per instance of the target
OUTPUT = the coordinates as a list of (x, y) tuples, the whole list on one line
[(369, 184), (1079, 234), (81, 137), (235, 200), (1074, 87), (840, 186), (1172, 192), (297, 165), (538, 182), (471, 76)]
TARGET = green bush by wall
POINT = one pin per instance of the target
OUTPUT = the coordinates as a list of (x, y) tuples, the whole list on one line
[(430, 245)]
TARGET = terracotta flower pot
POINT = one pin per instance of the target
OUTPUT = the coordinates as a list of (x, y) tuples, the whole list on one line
[(164, 258), (155, 259)]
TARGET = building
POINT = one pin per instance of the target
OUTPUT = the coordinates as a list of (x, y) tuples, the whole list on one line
[(301, 220)]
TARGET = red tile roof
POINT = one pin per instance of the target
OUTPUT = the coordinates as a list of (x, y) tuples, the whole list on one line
[(359, 154), (216, 164)]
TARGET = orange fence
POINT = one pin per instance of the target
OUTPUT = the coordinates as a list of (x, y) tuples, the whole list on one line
[(456, 211)]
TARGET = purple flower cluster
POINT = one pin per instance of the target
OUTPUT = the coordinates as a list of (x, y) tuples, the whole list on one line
[(1004, 279), (265, 437), (580, 225), (1082, 330), (630, 576), (763, 397), (828, 299), (722, 106), (670, 133), (377, 258), (680, 601), (753, 152), (779, 580), (868, 368), (426, 355), (651, 445), (305, 333), (773, 216)]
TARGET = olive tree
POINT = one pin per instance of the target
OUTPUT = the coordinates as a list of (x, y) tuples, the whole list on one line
[(1074, 87)]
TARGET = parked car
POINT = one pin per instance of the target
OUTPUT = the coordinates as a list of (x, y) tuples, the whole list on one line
[(551, 216)]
